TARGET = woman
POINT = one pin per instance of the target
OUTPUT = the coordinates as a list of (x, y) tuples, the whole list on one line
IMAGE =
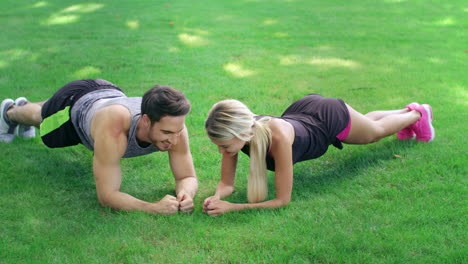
[(303, 132)]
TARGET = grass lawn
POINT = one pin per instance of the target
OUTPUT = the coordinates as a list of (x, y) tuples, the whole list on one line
[(388, 202)]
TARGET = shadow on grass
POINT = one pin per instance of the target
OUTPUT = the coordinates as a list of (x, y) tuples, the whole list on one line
[(320, 175), (61, 177), (47, 177)]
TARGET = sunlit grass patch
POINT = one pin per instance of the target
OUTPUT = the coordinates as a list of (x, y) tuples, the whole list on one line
[(71, 14)]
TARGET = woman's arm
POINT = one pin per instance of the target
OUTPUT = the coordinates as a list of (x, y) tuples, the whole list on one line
[(228, 173), (281, 151), (225, 186)]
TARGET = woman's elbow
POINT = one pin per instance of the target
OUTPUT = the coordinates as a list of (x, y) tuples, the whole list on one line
[(283, 202), (104, 200), (230, 190)]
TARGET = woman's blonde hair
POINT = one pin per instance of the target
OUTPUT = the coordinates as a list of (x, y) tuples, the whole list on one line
[(230, 118)]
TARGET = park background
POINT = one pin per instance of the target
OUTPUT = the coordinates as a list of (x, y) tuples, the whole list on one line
[(389, 202)]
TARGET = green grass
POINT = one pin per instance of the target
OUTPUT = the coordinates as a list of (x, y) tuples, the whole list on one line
[(389, 202)]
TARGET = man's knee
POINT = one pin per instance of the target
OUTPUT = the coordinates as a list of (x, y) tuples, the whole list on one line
[(37, 119)]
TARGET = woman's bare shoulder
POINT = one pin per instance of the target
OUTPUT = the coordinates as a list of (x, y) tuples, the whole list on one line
[(281, 130)]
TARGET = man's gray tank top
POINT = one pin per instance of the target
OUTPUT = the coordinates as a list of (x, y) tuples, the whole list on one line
[(86, 107)]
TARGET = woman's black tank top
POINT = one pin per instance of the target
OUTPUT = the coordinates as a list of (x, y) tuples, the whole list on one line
[(316, 121)]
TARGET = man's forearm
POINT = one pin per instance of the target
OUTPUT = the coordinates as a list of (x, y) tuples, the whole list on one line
[(123, 201), (189, 185)]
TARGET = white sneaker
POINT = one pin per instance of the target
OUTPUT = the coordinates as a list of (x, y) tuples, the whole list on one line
[(6, 126), (22, 130)]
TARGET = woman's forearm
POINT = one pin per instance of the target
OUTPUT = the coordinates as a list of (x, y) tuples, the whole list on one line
[(223, 190), (275, 203)]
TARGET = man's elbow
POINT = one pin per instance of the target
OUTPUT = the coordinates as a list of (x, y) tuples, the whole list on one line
[(189, 182)]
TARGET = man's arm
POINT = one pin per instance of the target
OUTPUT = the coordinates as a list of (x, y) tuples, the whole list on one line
[(182, 167), (109, 131)]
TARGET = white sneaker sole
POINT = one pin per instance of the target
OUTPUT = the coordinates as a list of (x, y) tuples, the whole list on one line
[(428, 110)]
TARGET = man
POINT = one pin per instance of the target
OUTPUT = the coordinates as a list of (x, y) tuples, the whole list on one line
[(97, 114)]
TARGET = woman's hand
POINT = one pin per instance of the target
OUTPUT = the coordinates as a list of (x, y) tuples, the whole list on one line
[(214, 206), (207, 201)]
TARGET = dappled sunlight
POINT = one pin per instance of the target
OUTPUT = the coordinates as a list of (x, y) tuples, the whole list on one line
[(448, 21), (18, 54), (173, 49), (387, 69), (40, 4), (197, 31), (333, 62), (435, 60), (12, 56), (62, 19), (324, 47), (194, 37), (3, 64), (192, 40), (82, 8), (238, 70), (401, 60), (269, 22), (281, 35), (133, 24), (71, 14), (461, 93), (224, 18), (87, 72), (326, 62), (15, 53), (290, 60)]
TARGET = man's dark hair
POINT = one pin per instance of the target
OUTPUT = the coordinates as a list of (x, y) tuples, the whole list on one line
[(161, 101)]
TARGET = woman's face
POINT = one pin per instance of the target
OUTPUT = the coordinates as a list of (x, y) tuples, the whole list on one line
[(230, 147)]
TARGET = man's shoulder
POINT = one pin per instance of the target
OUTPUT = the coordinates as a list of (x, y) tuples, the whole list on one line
[(115, 117)]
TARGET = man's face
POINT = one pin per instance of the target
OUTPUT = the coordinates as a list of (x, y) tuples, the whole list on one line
[(165, 133)]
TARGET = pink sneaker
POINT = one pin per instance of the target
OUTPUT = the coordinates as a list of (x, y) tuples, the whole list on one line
[(408, 132), (423, 128)]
